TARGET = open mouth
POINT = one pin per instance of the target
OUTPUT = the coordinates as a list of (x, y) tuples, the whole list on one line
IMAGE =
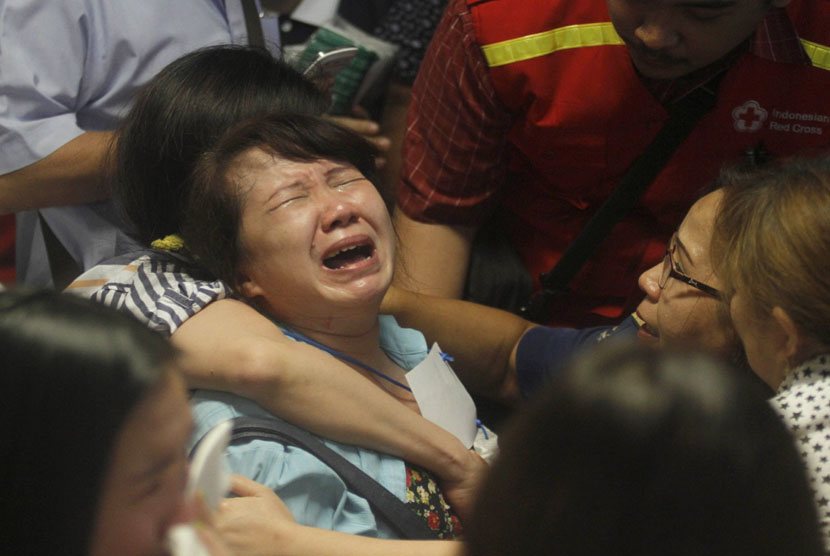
[(348, 256), (653, 58), (644, 326), (648, 328)]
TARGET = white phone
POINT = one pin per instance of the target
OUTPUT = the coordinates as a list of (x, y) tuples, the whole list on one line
[(209, 477), (324, 69), (329, 63)]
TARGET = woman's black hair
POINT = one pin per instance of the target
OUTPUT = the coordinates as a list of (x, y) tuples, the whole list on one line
[(638, 451), (212, 217), (181, 112), (72, 371)]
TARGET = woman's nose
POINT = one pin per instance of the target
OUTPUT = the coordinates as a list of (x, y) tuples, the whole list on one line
[(338, 213), (657, 31), (649, 282)]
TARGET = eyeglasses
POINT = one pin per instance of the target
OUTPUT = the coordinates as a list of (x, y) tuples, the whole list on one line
[(670, 272)]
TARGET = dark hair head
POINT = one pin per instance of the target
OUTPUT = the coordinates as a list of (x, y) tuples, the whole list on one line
[(181, 112), (636, 451), (212, 216), (72, 371)]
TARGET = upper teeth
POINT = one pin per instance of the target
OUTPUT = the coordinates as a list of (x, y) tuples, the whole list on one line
[(345, 249)]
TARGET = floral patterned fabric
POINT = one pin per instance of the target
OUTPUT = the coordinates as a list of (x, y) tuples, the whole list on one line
[(424, 498), (410, 25)]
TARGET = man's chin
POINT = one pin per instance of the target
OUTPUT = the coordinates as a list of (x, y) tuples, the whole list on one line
[(656, 67), (661, 71)]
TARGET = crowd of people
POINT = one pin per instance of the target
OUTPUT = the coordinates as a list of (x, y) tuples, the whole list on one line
[(229, 252)]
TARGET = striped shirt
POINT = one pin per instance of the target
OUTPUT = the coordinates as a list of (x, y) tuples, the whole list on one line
[(159, 289)]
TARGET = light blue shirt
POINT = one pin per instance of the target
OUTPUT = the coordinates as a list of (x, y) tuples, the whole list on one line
[(312, 491), (71, 66)]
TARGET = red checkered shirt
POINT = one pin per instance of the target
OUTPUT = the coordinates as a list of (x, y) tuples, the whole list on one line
[(455, 160)]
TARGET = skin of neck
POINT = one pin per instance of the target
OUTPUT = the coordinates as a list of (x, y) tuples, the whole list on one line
[(354, 331)]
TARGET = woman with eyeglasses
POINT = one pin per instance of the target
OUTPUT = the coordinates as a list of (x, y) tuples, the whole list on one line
[(772, 251), (503, 356)]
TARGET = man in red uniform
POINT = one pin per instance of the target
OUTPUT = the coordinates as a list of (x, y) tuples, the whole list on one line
[(535, 110)]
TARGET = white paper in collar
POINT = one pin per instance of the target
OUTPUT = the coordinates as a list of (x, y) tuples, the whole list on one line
[(442, 398)]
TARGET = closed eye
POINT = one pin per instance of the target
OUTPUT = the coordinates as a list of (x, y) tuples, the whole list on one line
[(347, 182), (708, 11), (292, 199), (288, 199)]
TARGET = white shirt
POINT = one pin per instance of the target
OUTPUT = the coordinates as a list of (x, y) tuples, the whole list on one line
[(71, 66), (803, 400)]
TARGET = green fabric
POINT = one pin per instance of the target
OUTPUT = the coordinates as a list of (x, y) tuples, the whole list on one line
[(349, 79)]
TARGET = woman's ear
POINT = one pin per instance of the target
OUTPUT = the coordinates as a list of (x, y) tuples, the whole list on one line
[(790, 338), (248, 287)]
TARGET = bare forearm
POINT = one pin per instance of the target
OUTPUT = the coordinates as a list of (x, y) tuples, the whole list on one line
[(432, 258), (257, 523), (229, 346), (364, 414), (481, 339), (393, 121), (71, 175), (309, 541)]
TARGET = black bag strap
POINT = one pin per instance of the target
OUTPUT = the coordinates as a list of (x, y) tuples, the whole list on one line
[(252, 23), (63, 267), (385, 505), (683, 117)]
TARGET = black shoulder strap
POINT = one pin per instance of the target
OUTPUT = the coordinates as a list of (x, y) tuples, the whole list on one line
[(385, 505), (682, 119), (252, 23)]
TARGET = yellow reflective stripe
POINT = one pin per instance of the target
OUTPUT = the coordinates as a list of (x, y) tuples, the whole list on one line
[(539, 44), (818, 53)]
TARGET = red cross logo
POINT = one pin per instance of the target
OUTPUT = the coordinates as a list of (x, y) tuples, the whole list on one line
[(749, 116)]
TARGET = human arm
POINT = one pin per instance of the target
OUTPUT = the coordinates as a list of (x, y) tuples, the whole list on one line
[(258, 523), (368, 129), (497, 354), (393, 121), (47, 157), (71, 175), (424, 267), (482, 340), (228, 346), (454, 159)]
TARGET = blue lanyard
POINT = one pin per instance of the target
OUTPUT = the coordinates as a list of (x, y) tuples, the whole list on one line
[(299, 337), (340, 355)]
